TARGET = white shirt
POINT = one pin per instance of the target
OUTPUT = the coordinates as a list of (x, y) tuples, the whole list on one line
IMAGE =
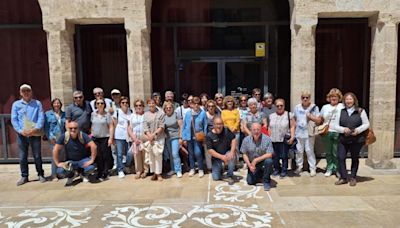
[(300, 114), (328, 111), (121, 130), (279, 126)]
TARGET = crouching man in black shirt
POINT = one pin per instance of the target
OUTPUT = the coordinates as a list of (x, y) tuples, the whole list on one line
[(221, 145), (75, 143)]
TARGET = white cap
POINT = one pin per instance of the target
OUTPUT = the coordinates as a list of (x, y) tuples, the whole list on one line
[(114, 91), (25, 86)]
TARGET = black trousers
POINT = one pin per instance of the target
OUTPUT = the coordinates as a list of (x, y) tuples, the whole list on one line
[(104, 159), (354, 149)]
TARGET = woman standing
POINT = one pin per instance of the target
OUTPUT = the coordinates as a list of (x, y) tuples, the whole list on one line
[(121, 119), (54, 126), (329, 116), (219, 100), (195, 121), (154, 121), (253, 116), (136, 133), (172, 130), (353, 121), (102, 131), (231, 117), (204, 98), (281, 136)]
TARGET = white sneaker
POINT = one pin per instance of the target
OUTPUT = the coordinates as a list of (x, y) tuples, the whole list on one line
[(121, 174), (191, 173), (179, 174), (328, 173), (313, 173), (201, 173)]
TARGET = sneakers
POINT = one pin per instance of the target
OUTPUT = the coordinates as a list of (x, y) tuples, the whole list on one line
[(313, 173), (121, 174), (69, 182), (267, 186), (283, 175), (179, 174), (341, 181), (298, 171), (353, 182), (42, 179), (328, 173), (22, 181), (191, 173), (201, 173), (275, 173)]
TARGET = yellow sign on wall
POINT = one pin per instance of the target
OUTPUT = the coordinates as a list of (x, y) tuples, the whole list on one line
[(260, 49)]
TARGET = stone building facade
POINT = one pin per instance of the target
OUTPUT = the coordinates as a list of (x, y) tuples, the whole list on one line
[(59, 18)]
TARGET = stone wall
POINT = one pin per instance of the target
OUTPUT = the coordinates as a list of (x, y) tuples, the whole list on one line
[(59, 18)]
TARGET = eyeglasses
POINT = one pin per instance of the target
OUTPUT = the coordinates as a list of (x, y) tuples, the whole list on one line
[(72, 128), (279, 106), (305, 98), (138, 105), (100, 103), (124, 102), (78, 97)]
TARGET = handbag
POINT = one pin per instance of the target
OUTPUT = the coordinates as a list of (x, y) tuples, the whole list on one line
[(287, 137), (323, 129), (369, 136), (311, 126), (199, 136)]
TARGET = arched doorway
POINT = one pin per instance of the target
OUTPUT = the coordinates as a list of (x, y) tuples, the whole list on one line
[(209, 46)]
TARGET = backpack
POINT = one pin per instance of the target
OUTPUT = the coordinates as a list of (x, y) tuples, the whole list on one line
[(68, 137)]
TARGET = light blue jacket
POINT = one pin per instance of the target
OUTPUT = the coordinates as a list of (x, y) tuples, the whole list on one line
[(33, 111), (52, 127), (200, 124)]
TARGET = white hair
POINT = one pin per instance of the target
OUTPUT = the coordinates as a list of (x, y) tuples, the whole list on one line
[(97, 90), (252, 101)]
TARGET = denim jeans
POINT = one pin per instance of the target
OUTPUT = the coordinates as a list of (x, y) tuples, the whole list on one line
[(53, 165), (281, 151), (263, 170), (218, 168), (122, 148), (76, 165), (173, 151), (195, 153), (23, 146)]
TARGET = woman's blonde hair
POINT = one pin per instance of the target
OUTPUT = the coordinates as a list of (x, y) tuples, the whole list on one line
[(334, 92), (230, 98), (168, 104), (138, 100)]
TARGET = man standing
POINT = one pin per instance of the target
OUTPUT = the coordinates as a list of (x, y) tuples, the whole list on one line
[(27, 118), (221, 145), (169, 96), (256, 93), (257, 153), (79, 111), (77, 157), (116, 97), (98, 93)]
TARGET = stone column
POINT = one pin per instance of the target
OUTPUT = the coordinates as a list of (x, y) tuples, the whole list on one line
[(383, 93), (61, 65), (303, 58), (139, 66)]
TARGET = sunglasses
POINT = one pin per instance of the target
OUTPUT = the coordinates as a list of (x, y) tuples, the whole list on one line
[(305, 98), (229, 102), (243, 100), (72, 128), (279, 106), (79, 97), (138, 105), (99, 93), (210, 106), (124, 102), (100, 103), (218, 98), (257, 94)]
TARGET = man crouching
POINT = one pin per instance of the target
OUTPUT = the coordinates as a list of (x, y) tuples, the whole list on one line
[(257, 153), (77, 157), (221, 145)]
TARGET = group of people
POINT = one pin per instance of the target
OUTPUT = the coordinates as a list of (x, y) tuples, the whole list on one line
[(203, 134)]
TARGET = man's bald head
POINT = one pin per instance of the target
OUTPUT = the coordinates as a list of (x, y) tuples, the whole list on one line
[(218, 124), (256, 129)]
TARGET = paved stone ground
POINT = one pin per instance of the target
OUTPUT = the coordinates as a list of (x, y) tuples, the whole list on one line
[(192, 202)]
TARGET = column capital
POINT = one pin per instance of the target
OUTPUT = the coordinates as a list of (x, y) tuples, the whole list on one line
[(301, 22)]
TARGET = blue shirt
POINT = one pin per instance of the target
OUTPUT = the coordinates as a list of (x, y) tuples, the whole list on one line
[(32, 110), (200, 124), (54, 127), (256, 149), (74, 149)]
